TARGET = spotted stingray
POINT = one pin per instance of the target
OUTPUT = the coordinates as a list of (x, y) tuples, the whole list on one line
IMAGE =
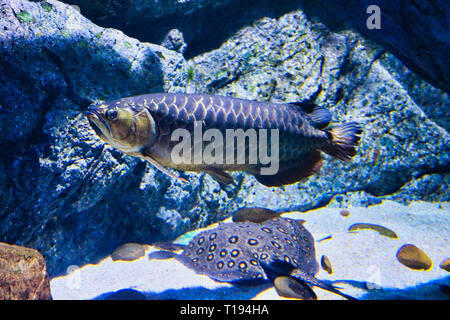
[(258, 246)]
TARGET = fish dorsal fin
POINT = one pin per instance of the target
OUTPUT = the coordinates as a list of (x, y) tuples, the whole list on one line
[(319, 116), (256, 215), (160, 167), (289, 287)]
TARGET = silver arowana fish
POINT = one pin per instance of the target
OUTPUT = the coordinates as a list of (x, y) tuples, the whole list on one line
[(259, 245), (142, 126)]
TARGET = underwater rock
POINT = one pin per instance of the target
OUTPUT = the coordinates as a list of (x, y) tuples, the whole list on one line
[(128, 252), (414, 31), (174, 41), (445, 264), (414, 258), (23, 274)]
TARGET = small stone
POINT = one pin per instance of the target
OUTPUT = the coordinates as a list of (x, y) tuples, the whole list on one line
[(289, 288), (414, 258), (128, 252), (445, 264), (345, 213), (326, 264)]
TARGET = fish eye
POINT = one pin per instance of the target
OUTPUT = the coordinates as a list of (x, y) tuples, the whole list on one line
[(111, 114)]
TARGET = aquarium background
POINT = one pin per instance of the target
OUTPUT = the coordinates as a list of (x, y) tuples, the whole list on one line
[(75, 199)]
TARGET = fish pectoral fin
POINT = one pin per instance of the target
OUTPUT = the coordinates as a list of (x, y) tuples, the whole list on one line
[(219, 175), (256, 215), (161, 168), (289, 287), (309, 164)]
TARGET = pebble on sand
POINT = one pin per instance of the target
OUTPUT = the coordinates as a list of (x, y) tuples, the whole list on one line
[(326, 264), (445, 264), (128, 252), (414, 258), (345, 213)]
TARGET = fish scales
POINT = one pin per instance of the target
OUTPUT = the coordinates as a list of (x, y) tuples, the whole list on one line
[(225, 112), (174, 111), (234, 251)]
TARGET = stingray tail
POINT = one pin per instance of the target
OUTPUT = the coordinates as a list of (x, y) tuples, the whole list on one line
[(319, 283)]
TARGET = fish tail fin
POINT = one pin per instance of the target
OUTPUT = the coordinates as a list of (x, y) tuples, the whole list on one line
[(343, 140), (296, 273)]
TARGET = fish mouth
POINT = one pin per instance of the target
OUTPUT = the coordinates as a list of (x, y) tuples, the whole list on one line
[(97, 123)]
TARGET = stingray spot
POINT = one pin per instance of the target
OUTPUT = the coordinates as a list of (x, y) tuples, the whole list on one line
[(252, 242), (230, 264), (201, 240), (294, 260), (263, 256), (267, 230), (210, 257), (281, 229), (220, 265), (260, 249), (200, 251), (259, 237), (223, 252), (253, 262), (234, 253), (275, 238), (294, 236), (276, 245), (191, 245), (288, 241), (212, 236), (259, 275), (195, 260), (242, 265), (233, 239), (287, 259), (212, 248)]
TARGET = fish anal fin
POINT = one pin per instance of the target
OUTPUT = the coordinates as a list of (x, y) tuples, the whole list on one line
[(220, 176), (289, 287), (307, 107), (160, 167), (256, 215), (304, 167)]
